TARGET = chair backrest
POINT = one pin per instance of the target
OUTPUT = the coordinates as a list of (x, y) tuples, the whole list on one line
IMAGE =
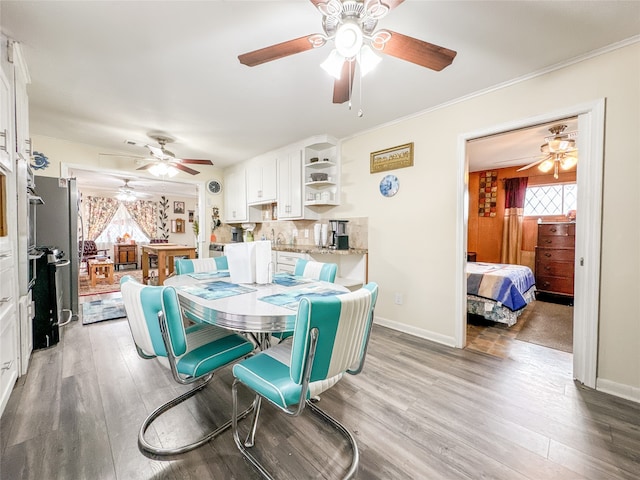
[(197, 265), (88, 247), (142, 304), (316, 270), (343, 323)]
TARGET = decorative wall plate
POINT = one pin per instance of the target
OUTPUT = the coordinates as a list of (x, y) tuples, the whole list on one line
[(214, 186), (39, 161), (389, 185)]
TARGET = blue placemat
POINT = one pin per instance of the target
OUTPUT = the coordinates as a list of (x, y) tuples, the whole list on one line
[(215, 290), (209, 275), (289, 280), (291, 299)]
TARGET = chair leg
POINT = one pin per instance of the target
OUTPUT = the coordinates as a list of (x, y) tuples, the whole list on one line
[(158, 453), (243, 447)]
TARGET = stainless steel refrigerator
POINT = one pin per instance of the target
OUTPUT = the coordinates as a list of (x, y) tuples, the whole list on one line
[(57, 226)]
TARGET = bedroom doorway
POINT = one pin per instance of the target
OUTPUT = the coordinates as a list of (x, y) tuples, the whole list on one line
[(495, 325), (590, 144)]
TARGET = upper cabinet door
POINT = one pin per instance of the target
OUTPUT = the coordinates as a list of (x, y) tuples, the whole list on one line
[(290, 184), (23, 140), (5, 123), (261, 180), (235, 196)]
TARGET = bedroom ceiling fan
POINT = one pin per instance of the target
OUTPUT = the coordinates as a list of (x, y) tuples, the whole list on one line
[(127, 193), (351, 25), (164, 162), (559, 151)]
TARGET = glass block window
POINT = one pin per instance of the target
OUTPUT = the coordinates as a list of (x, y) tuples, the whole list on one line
[(551, 199)]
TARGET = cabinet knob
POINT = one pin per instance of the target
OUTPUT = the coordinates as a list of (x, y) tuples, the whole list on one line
[(547, 254), (546, 284), (548, 241), (547, 267), (7, 365), (553, 229)]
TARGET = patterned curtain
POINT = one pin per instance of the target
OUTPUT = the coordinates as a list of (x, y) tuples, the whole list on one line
[(144, 212), (515, 189), (100, 211)]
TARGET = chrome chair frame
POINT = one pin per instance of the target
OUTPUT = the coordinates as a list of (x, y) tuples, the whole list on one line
[(159, 453), (302, 403)]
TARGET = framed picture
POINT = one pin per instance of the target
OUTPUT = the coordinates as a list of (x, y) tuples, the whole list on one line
[(191, 212), (392, 158), (178, 207)]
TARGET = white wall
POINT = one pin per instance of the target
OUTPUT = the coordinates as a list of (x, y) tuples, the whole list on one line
[(412, 235)]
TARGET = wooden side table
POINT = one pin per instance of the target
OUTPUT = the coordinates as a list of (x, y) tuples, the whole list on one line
[(100, 269)]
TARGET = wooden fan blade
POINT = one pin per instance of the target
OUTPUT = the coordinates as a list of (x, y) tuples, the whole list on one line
[(342, 87), (184, 168), (533, 164), (416, 51), (274, 52), (195, 161), (145, 167)]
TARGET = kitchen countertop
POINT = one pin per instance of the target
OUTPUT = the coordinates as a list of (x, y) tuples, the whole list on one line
[(309, 249)]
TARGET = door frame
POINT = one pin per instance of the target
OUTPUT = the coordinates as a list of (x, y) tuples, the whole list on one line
[(586, 314)]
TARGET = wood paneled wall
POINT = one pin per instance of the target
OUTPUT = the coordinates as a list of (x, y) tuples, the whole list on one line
[(485, 233)]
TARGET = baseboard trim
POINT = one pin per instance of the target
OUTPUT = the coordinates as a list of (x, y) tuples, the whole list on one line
[(416, 332), (618, 389)]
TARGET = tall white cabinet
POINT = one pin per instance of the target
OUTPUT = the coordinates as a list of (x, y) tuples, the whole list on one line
[(15, 145)]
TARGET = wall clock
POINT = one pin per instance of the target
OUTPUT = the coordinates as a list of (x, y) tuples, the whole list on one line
[(214, 186), (389, 185)]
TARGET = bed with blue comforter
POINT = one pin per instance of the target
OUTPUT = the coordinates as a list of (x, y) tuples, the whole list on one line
[(499, 292)]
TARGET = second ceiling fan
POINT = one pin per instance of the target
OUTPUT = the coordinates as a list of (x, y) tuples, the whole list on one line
[(162, 159), (351, 24)]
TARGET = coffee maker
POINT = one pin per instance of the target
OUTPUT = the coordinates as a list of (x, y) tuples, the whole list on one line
[(339, 237), (236, 234)]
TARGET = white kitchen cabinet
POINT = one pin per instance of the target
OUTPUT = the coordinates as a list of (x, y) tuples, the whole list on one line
[(22, 79), (235, 195), (6, 159), (290, 184), (261, 180), (9, 332), (286, 261), (26, 312)]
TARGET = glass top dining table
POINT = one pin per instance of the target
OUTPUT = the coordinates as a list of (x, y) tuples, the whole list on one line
[(255, 308)]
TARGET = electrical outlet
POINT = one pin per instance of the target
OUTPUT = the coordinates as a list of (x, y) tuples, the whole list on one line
[(398, 299), (306, 233)]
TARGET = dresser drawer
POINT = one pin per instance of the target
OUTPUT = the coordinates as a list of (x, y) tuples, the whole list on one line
[(556, 269), (562, 285), (289, 258), (560, 229), (555, 254), (556, 241)]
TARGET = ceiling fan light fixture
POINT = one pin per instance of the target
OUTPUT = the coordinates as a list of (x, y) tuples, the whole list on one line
[(162, 170), (368, 60), (126, 197), (568, 161), (333, 64), (348, 39), (546, 166)]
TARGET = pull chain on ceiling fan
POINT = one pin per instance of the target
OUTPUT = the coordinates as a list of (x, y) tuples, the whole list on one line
[(351, 25)]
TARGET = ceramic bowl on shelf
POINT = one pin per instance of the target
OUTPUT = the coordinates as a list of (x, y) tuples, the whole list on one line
[(313, 160), (319, 177)]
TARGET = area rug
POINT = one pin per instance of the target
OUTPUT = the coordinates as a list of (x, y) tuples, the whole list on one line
[(549, 325), (85, 287), (103, 309)]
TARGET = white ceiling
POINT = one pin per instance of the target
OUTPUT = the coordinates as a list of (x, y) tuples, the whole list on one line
[(103, 72)]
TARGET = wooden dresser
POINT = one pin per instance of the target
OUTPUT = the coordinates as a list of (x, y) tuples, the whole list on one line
[(555, 254), (125, 254)]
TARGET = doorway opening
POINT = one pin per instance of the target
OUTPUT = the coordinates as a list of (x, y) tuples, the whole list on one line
[(590, 144)]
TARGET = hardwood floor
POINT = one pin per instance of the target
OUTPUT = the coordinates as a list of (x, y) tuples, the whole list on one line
[(419, 410)]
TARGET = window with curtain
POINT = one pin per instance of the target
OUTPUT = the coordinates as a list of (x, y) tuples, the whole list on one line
[(555, 199), (121, 223)]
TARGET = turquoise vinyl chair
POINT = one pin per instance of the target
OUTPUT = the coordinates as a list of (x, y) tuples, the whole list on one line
[(198, 265), (330, 339), (316, 270), (192, 354)]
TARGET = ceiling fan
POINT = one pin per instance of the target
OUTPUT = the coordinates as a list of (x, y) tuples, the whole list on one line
[(127, 193), (351, 24), (559, 151), (164, 162)]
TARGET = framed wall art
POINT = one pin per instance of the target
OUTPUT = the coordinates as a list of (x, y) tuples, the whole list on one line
[(392, 158), (178, 207), (488, 198)]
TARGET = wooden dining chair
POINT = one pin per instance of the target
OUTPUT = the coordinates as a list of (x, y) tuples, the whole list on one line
[(200, 265), (330, 339), (192, 354), (316, 270)]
